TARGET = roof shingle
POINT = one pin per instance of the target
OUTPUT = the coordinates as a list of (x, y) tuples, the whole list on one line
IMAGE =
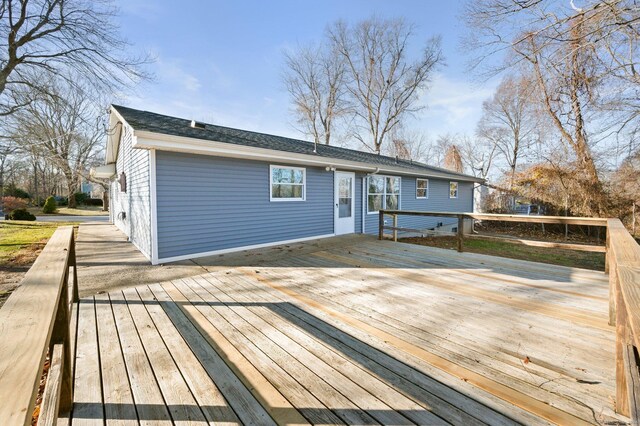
[(158, 123)]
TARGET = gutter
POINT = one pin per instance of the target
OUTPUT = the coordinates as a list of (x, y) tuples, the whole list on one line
[(151, 140)]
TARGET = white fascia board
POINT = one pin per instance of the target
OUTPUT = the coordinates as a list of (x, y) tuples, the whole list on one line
[(116, 124), (163, 142), (104, 172)]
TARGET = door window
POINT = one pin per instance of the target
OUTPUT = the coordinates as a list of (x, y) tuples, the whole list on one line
[(345, 197)]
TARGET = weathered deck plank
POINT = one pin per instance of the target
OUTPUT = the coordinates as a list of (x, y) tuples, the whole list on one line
[(349, 333), (88, 409)]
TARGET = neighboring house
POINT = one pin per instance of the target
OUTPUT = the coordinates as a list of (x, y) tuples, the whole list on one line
[(86, 187), (183, 189)]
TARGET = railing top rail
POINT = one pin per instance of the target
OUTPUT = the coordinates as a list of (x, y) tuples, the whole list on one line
[(626, 254), (568, 220), (26, 324)]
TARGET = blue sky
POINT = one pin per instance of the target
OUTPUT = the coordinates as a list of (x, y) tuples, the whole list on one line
[(221, 61)]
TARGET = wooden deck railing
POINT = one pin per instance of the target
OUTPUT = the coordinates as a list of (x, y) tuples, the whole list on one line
[(461, 217), (623, 265), (34, 321), (624, 294)]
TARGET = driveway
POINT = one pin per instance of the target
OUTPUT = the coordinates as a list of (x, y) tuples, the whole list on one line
[(82, 219)]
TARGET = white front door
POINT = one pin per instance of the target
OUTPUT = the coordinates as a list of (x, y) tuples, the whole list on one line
[(344, 203)]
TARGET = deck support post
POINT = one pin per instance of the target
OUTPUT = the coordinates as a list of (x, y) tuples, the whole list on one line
[(460, 233), (381, 225)]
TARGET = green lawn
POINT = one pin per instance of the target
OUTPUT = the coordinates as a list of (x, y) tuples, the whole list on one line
[(20, 241), (572, 258)]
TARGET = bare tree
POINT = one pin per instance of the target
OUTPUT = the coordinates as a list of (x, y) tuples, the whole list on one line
[(6, 150), (62, 128), (453, 159), (478, 155), (438, 150), (74, 38), (315, 79), (383, 82), (408, 145), (509, 120), (574, 54)]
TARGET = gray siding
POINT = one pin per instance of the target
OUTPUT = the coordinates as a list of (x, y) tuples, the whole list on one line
[(438, 201), (136, 202), (210, 203)]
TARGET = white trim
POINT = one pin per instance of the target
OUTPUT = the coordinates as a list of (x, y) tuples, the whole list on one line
[(304, 183), (235, 249), (427, 188), (153, 206), (364, 201), (457, 189), (144, 253), (336, 210), (152, 140)]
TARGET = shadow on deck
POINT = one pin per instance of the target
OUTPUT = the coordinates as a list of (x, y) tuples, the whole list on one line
[(351, 330)]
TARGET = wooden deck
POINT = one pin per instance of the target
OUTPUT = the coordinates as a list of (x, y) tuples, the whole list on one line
[(354, 331)]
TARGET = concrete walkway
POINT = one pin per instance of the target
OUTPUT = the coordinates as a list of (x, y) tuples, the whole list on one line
[(107, 261)]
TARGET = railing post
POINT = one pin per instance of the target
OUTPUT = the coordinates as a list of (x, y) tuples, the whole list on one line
[(395, 226), (460, 232), (613, 290), (622, 392), (61, 334), (381, 224), (606, 253), (72, 262)]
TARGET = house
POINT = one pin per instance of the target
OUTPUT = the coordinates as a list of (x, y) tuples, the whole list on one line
[(182, 189)]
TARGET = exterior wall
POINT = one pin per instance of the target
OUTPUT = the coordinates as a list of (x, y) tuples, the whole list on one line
[(438, 201), (358, 203), (207, 204), (135, 203)]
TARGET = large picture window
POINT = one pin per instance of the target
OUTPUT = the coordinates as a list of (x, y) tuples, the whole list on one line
[(383, 192), (422, 188), (287, 183)]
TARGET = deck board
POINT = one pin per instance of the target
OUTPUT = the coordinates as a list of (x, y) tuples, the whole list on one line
[(351, 330)]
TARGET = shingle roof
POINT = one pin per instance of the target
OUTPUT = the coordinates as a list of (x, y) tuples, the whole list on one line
[(158, 123)]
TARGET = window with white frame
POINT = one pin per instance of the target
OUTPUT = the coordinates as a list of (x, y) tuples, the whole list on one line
[(383, 192), (453, 189), (287, 183), (422, 188)]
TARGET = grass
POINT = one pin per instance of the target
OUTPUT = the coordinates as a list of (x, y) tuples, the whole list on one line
[(571, 258), (66, 211), (21, 241)]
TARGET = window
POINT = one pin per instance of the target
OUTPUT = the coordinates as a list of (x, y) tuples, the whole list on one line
[(287, 183), (383, 192), (422, 188), (453, 189)]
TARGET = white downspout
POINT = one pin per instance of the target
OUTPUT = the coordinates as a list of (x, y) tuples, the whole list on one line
[(364, 200)]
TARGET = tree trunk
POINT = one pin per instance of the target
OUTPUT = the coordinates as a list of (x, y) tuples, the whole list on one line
[(72, 188), (71, 198), (105, 200)]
